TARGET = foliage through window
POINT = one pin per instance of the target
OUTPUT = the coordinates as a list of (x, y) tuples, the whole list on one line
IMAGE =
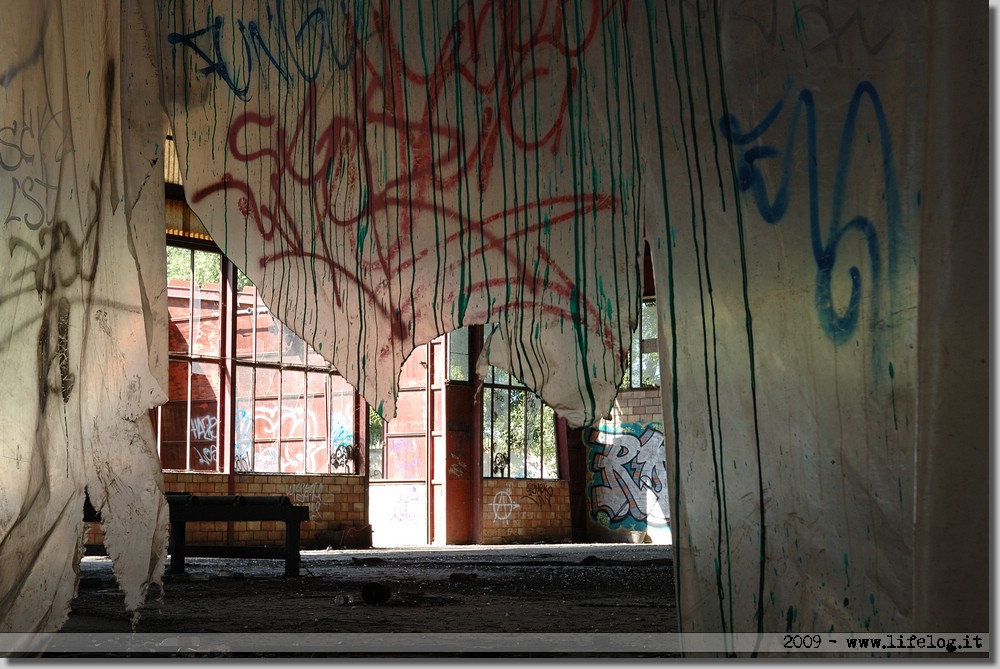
[(519, 435), (188, 424), (290, 412), (642, 369)]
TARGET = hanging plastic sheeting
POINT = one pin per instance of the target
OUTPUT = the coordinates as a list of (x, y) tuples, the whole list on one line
[(83, 294), (784, 231), (389, 171)]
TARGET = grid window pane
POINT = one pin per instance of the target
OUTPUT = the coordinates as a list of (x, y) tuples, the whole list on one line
[(411, 413), (265, 457), (317, 409), (293, 347), (246, 321), (243, 425), (291, 412), (341, 426), (179, 299), (407, 458), (206, 316), (376, 445), (268, 334), (294, 417), (642, 369), (459, 365), (518, 432)]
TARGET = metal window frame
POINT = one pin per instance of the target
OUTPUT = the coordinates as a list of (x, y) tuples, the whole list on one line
[(227, 363)]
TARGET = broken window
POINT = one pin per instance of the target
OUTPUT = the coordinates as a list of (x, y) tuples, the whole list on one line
[(189, 421), (246, 393)]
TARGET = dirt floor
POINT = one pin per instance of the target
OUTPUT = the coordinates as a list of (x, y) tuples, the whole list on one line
[(614, 592)]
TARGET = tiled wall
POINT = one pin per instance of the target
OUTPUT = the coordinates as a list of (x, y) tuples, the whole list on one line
[(638, 405), (525, 511), (336, 504)]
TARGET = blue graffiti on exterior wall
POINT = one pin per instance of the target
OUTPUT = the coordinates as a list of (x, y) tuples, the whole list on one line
[(291, 47), (342, 449), (243, 461), (839, 325), (629, 476)]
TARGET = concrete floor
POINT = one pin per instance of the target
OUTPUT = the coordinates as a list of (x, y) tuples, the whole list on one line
[(577, 592)]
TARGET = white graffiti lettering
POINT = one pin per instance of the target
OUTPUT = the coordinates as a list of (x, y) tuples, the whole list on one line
[(630, 476), (204, 428), (309, 494), (208, 455), (504, 505)]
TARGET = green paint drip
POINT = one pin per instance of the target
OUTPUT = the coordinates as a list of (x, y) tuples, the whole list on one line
[(751, 358), (847, 570), (674, 386), (714, 415), (892, 387)]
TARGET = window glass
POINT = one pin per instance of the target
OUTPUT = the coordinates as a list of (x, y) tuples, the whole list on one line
[(179, 299), (343, 450), (243, 425), (206, 324), (459, 366), (519, 439), (203, 422), (317, 410), (376, 445), (291, 412), (406, 458), (642, 369)]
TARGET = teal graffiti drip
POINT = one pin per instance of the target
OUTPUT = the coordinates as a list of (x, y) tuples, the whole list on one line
[(674, 402), (441, 249), (892, 388), (749, 332), (609, 46), (707, 82), (463, 197), (717, 432), (580, 242), (691, 129), (361, 87), (537, 352), (397, 329)]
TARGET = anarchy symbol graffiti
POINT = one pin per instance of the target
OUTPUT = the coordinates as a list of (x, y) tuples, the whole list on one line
[(504, 505)]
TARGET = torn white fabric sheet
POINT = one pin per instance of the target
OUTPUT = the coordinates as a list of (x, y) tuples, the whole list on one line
[(387, 172), (78, 310)]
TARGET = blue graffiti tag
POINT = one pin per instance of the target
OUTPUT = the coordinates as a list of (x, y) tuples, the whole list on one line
[(243, 461), (838, 326), (324, 36)]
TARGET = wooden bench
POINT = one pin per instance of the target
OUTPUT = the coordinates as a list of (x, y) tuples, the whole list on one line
[(187, 508)]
